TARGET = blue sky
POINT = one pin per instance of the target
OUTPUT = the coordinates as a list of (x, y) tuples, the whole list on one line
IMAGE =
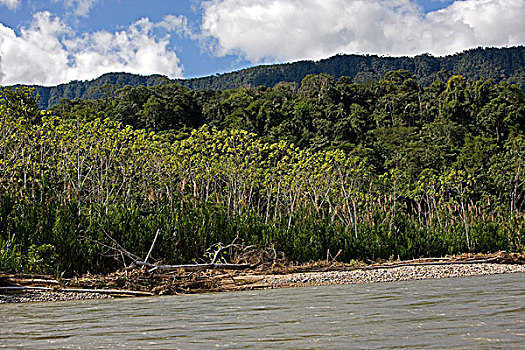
[(55, 41)]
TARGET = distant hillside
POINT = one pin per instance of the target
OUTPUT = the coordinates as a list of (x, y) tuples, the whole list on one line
[(497, 64)]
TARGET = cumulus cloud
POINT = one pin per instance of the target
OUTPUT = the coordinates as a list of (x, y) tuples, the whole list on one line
[(10, 4), (260, 30), (49, 52)]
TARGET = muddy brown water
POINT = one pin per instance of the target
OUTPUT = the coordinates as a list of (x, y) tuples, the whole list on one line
[(482, 312)]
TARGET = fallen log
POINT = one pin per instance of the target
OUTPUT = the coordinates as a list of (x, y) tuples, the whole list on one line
[(32, 281), (196, 267)]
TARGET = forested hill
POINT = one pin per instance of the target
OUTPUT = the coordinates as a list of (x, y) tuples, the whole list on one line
[(491, 63)]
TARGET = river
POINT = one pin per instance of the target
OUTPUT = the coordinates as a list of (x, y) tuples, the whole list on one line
[(483, 312)]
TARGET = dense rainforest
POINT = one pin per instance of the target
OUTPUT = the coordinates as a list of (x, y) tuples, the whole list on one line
[(489, 63), (384, 169)]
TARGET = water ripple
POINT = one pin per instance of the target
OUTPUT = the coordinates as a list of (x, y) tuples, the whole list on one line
[(485, 312)]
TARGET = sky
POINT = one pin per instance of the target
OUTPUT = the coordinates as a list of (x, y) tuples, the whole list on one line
[(48, 42)]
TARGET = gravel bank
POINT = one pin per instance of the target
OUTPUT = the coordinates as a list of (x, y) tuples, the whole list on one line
[(403, 273), (39, 296)]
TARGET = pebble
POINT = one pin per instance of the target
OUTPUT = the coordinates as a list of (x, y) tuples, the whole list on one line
[(39, 296), (402, 273)]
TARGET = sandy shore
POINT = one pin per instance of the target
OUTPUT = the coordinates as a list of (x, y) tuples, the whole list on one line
[(250, 281)]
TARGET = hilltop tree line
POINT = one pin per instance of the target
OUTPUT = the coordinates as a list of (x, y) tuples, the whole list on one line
[(489, 63), (386, 169)]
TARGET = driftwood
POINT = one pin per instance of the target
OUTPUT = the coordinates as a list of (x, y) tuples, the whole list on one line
[(213, 265), (32, 280), (196, 267), (79, 290), (152, 245), (118, 249), (220, 249)]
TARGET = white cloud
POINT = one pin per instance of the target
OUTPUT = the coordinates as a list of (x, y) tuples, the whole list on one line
[(81, 7), (10, 4), (288, 30), (177, 24), (48, 52)]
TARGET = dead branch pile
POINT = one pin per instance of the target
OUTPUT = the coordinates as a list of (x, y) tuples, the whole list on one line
[(175, 282), (260, 258), (498, 257)]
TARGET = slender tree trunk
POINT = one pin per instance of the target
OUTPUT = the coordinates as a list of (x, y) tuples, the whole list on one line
[(465, 223)]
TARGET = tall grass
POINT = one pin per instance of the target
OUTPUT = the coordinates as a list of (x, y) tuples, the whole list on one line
[(54, 238)]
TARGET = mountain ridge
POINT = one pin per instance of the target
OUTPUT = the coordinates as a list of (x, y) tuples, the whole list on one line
[(487, 63)]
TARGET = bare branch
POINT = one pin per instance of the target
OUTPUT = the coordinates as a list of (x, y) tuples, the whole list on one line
[(152, 244)]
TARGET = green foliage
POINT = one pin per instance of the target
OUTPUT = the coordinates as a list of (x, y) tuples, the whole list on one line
[(20, 103), (10, 255), (42, 259), (385, 169)]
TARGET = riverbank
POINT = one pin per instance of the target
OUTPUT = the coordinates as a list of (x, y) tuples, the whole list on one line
[(381, 275), (136, 282)]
